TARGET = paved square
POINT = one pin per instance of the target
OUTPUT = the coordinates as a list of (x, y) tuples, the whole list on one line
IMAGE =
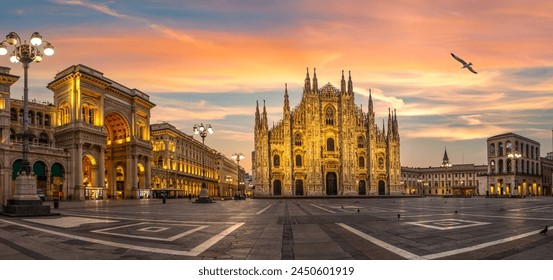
[(447, 224), (142, 231)]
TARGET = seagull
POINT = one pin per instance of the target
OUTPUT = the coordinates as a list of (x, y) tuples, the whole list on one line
[(465, 65), (544, 231)]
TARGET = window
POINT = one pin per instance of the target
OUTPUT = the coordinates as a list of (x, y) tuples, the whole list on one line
[(276, 160), (508, 147), (13, 114), (330, 145), (360, 142), (492, 150), (297, 139), (361, 162), (329, 116), (500, 149), (298, 160)]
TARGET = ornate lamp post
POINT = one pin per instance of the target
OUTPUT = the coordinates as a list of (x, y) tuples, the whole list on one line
[(446, 165), (26, 53), (203, 131), (238, 157), (24, 202), (514, 156)]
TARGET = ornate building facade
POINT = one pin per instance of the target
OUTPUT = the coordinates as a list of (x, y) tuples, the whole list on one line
[(95, 141), (446, 179), (326, 145), (514, 166)]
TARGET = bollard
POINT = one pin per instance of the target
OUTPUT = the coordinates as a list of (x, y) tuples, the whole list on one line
[(56, 203)]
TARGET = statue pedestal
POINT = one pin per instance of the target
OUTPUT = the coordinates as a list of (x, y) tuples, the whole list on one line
[(204, 197), (25, 201)]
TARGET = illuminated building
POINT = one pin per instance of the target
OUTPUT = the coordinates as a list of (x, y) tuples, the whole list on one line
[(513, 165), (95, 142), (453, 179), (326, 145)]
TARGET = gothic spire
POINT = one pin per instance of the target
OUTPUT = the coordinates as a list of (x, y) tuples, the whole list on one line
[(370, 101), (445, 160), (389, 122), (264, 118), (343, 83), (307, 87), (257, 120), (350, 84), (286, 102), (315, 84)]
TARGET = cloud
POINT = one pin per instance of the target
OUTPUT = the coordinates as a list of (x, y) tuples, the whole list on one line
[(102, 8)]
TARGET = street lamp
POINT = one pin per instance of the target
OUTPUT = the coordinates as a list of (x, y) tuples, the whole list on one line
[(203, 131), (238, 157), (26, 53), (446, 165), (514, 156)]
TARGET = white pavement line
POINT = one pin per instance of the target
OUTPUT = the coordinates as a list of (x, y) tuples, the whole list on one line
[(324, 209), (172, 238), (480, 246), (263, 210), (192, 253), (151, 220), (508, 217), (389, 247), (210, 242), (533, 208)]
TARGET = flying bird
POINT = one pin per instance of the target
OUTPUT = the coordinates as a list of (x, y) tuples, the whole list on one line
[(544, 231), (465, 64)]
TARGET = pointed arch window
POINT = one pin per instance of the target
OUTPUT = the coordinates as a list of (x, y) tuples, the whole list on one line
[(361, 162), (330, 145), (360, 142), (329, 116), (276, 160), (299, 160), (297, 139)]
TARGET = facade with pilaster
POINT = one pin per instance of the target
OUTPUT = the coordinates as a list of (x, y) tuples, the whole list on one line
[(95, 141), (508, 175), (326, 145)]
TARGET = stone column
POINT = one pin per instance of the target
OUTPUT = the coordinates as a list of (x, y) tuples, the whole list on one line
[(78, 192), (101, 180), (148, 173)]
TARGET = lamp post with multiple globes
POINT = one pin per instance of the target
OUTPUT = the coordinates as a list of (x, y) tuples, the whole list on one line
[(514, 156), (203, 131), (25, 197), (238, 157)]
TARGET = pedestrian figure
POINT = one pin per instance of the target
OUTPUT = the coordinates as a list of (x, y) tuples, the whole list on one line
[(189, 196), (398, 215)]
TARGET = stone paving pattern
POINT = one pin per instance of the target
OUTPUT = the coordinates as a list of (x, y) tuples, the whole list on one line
[(287, 229)]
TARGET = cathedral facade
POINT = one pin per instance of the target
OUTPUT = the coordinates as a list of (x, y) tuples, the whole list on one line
[(326, 146)]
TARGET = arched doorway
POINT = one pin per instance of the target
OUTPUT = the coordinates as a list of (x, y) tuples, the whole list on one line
[(39, 169), (56, 179), (299, 187), (381, 188), (119, 182), (362, 188), (331, 184), (277, 185)]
